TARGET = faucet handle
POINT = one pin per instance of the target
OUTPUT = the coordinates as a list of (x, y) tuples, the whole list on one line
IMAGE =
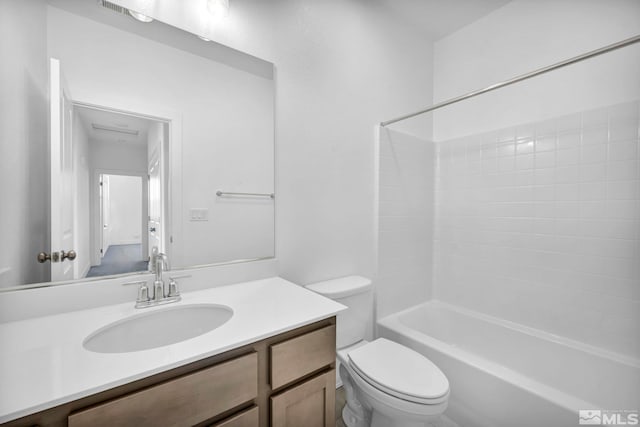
[(173, 288), (143, 293)]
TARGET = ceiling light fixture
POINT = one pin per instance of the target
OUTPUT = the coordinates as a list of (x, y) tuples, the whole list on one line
[(218, 8), (140, 17)]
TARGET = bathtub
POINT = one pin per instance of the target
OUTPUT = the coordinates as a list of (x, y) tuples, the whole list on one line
[(504, 374)]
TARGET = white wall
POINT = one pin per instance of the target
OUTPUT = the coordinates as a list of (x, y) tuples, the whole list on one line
[(125, 209), (342, 68), (120, 157), (23, 142), (82, 199), (537, 218), (406, 216), (227, 128), (526, 35)]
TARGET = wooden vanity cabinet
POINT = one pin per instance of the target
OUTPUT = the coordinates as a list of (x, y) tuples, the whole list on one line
[(285, 380)]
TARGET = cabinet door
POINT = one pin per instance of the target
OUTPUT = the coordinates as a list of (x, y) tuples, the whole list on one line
[(310, 404)]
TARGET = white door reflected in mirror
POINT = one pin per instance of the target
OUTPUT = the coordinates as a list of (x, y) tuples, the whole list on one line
[(61, 179)]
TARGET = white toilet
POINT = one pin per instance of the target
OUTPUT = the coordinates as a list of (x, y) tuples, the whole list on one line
[(386, 384)]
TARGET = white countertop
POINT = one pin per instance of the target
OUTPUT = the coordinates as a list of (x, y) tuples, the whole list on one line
[(43, 363)]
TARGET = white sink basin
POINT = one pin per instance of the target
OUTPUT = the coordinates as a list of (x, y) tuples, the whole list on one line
[(158, 328)]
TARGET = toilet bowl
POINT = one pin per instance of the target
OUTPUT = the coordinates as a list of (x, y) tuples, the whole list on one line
[(386, 383), (389, 385)]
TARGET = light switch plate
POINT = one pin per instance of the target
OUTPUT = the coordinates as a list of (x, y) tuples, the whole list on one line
[(199, 214)]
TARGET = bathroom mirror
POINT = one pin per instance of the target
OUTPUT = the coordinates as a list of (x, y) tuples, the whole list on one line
[(118, 136)]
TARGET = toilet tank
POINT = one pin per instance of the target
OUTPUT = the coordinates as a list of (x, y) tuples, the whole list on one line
[(356, 292)]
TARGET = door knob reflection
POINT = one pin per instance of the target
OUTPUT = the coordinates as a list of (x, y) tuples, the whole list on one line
[(56, 256), (71, 255)]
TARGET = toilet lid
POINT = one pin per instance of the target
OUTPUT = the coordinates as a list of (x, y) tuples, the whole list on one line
[(399, 371)]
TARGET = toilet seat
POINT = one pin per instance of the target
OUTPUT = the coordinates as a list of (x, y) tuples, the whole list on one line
[(399, 372)]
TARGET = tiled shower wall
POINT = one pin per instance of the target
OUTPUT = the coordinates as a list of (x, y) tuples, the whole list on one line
[(405, 221), (539, 224)]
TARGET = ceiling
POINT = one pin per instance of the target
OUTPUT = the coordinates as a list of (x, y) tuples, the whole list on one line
[(440, 18), (121, 127)]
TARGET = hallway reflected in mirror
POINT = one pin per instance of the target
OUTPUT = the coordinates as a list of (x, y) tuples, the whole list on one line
[(120, 259)]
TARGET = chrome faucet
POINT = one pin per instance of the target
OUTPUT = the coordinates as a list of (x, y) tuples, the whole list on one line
[(159, 294), (159, 264)]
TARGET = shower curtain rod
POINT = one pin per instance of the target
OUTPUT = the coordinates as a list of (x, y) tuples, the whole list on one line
[(605, 49)]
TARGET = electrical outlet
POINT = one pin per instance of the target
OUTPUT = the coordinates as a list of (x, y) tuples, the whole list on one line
[(199, 214)]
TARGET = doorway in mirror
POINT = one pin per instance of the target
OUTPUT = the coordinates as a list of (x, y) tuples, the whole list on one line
[(119, 173), (121, 202)]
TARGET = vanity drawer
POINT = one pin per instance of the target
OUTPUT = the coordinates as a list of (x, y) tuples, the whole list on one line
[(248, 418), (186, 400), (303, 355)]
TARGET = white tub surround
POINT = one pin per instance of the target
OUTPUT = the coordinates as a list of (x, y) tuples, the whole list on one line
[(535, 378), (539, 224), (43, 363)]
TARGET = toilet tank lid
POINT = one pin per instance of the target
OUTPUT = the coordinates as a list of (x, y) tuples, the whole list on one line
[(341, 287)]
